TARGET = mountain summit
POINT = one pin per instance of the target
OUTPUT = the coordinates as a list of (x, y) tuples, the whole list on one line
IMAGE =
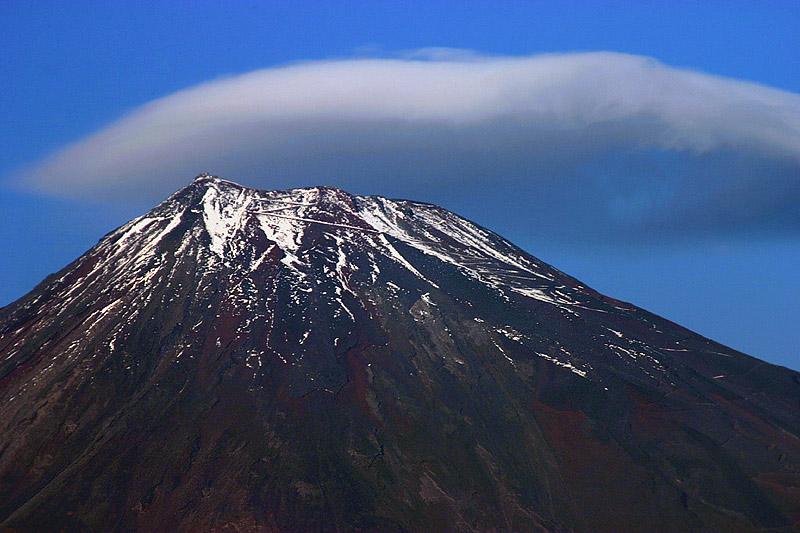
[(240, 360)]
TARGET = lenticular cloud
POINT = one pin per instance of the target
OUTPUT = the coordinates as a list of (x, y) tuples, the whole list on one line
[(616, 140)]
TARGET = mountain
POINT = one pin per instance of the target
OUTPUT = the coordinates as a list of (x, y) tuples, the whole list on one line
[(245, 360)]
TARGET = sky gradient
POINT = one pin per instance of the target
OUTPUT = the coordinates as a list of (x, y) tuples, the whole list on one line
[(650, 149)]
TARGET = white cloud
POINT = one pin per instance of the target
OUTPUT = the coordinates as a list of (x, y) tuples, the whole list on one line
[(592, 139)]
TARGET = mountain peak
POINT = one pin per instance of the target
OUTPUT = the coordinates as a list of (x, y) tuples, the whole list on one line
[(211, 180)]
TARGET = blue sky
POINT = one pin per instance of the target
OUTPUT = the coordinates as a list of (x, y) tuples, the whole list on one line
[(693, 215)]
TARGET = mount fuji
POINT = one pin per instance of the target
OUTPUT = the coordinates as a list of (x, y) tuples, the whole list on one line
[(307, 359)]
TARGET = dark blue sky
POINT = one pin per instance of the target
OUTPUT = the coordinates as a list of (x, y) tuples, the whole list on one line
[(70, 69)]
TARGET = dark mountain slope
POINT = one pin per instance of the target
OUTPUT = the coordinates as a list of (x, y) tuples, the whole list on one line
[(260, 360)]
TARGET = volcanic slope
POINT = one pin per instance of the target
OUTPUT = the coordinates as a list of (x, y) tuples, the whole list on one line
[(306, 359)]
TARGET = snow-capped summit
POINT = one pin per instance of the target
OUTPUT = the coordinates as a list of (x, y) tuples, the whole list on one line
[(310, 359)]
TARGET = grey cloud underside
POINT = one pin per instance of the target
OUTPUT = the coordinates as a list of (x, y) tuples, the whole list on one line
[(581, 145)]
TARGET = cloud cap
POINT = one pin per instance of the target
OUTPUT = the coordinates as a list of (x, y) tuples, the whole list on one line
[(581, 145)]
